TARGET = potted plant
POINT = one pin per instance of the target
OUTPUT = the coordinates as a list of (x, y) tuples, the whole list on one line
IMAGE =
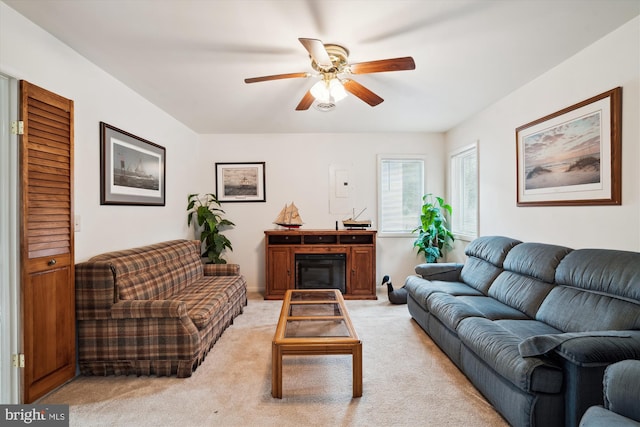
[(206, 211), (434, 235)]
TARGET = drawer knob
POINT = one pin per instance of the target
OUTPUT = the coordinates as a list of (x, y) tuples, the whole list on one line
[(52, 262)]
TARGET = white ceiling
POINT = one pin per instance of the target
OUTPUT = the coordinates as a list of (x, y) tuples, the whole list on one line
[(189, 57)]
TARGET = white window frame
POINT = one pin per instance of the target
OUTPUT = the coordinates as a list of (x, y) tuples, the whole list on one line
[(382, 232), (455, 191)]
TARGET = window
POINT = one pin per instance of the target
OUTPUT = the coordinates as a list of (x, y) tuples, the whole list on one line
[(464, 192), (400, 191)]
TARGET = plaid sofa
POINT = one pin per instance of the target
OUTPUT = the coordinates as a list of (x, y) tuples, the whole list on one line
[(153, 310)]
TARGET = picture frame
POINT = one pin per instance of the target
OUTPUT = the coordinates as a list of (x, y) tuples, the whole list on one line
[(132, 169), (572, 157), (240, 182)]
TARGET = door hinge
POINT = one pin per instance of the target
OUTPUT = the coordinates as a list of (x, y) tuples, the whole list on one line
[(17, 128), (18, 360)]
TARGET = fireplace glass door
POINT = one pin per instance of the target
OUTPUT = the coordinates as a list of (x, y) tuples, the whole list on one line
[(321, 271)]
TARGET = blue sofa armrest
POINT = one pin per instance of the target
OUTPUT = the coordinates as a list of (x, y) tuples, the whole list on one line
[(600, 350), (448, 272), (621, 391), (584, 361)]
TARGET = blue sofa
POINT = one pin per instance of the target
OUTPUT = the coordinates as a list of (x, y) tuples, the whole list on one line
[(621, 398), (533, 326)]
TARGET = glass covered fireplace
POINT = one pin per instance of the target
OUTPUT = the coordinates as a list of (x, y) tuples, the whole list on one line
[(321, 271)]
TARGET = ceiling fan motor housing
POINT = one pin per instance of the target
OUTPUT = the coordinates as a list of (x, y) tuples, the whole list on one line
[(338, 56)]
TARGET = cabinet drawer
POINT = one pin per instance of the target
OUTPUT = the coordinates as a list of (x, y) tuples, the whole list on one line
[(320, 239), (357, 239), (285, 240)]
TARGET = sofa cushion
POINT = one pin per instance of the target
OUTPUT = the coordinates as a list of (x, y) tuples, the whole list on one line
[(493, 249), (597, 416), (622, 388), (574, 310), (498, 348), (545, 343), (536, 260), (527, 328), (600, 270), (520, 292), (420, 289), (451, 310), (448, 271), (479, 274), (207, 296), (155, 271), (484, 262)]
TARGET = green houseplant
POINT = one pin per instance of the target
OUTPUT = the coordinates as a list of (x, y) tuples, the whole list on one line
[(433, 234), (205, 210)]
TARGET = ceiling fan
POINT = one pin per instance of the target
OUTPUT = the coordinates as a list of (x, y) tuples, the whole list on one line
[(331, 63)]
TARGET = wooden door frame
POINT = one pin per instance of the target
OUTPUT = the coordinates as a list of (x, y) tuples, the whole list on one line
[(10, 390)]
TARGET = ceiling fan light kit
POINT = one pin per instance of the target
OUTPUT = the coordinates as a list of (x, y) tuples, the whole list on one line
[(331, 63)]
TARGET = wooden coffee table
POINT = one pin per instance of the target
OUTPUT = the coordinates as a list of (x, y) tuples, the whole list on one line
[(314, 322)]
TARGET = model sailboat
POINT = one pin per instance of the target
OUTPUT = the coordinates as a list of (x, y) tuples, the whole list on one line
[(353, 222), (289, 217)]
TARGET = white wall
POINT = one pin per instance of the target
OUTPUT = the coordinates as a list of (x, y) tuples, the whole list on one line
[(612, 61), (28, 52), (297, 169)]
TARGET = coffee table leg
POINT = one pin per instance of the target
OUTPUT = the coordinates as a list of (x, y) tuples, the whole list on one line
[(357, 370), (276, 371)]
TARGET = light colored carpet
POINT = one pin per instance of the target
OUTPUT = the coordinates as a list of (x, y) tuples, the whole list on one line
[(407, 381)]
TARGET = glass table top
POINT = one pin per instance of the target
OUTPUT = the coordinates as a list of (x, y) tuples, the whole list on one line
[(316, 328), (315, 314), (316, 295)]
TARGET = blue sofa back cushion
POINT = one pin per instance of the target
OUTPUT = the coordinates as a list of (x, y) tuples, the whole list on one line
[(521, 292), (479, 274), (601, 270), (485, 258), (537, 260), (574, 310), (493, 249)]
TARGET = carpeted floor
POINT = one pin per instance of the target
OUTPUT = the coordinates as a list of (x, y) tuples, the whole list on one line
[(407, 381)]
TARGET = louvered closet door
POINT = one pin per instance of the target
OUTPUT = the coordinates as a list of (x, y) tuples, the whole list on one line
[(47, 263)]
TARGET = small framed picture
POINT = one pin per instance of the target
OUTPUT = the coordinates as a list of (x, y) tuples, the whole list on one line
[(132, 169), (240, 182)]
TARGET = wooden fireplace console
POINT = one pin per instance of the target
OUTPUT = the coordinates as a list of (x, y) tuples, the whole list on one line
[(359, 247)]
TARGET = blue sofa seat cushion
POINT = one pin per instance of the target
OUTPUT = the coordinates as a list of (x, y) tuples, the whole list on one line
[(597, 416), (420, 289), (453, 309), (498, 347)]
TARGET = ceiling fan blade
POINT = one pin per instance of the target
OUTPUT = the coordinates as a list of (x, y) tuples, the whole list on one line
[(318, 52), (362, 92), (395, 64), (306, 102), (276, 77)]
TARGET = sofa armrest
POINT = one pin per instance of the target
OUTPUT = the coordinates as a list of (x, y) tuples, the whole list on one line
[(600, 350), (221, 269), (622, 388), (144, 309), (449, 272)]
